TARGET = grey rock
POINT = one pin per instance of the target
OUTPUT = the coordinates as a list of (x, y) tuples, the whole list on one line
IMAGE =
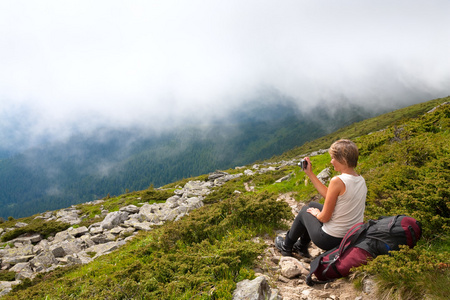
[(143, 226), (194, 203), (62, 236), (99, 238), (96, 230), (172, 202), (113, 219), (285, 178), (22, 250), (256, 289), (104, 248), (74, 260), (116, 230), (22, 270), (20, 224), (249, 172), (84, 257), (14, 260), (58, 251), (41, 246), (324, 176), (5, 292), (168, 215), (291, 267), (222, 180), (131, 209), (148, 212), (215, 175), (87, 241), (68, 215), (43, 261), (77, 232)]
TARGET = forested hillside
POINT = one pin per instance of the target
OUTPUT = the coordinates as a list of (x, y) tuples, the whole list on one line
[(204, 254), (111, 162)]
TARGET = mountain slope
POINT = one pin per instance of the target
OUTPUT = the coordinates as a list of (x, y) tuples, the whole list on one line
[(203, 255)]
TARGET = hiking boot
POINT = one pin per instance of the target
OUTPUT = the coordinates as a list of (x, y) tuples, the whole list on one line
[(280, 244), (302, 250)]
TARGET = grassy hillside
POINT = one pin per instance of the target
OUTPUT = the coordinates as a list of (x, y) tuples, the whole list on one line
[(202, 256)]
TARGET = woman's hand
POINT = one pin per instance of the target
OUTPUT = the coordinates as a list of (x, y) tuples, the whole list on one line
[(314, 211), (308, 169)]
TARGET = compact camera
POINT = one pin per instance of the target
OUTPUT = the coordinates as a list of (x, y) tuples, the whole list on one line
[(303, 163)]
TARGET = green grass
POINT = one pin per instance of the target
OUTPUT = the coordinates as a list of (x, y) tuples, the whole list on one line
[(363, 128)]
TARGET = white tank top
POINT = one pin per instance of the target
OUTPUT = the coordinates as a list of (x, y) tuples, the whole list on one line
[(349, 208)]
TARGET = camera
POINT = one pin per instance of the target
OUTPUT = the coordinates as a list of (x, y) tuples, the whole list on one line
[(303, 163)]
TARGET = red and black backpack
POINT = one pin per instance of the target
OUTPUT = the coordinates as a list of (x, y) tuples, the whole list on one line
[(363, 242)]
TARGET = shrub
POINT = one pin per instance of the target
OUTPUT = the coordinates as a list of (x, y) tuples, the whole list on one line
[(43, 228), (410, 174), (410, 273), (7, 275)]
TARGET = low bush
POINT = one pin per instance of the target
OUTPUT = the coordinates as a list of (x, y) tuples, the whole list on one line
[(7, 275), (410, 274), (44, 228), (410, 174)]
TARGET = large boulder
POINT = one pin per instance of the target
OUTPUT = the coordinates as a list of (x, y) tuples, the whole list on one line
[(256, 289), (102, 249), (113, 219), (77, 232), (43, 261), (131, 209), (68, 215), (291, 267)]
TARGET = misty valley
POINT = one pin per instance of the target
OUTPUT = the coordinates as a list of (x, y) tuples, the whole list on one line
[(113, 162)]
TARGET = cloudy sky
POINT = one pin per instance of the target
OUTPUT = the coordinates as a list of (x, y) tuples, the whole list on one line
[(66, 64)]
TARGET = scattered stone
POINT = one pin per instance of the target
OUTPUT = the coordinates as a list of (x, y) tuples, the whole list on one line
[(291, 267), (324, 176), (96, 230), (255, 289), (20, 225), (77, 232), (114, 219), (249, 172), (285, 178), (131, 209)]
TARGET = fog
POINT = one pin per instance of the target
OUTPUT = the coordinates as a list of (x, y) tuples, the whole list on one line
[(76, 66)]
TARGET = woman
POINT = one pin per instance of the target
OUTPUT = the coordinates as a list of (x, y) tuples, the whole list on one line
[(344, 205)]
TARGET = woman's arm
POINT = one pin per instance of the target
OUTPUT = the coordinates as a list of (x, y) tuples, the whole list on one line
[(320, 187), (336, 188)]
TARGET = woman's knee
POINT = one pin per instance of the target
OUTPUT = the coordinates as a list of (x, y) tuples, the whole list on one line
[(315, 205)]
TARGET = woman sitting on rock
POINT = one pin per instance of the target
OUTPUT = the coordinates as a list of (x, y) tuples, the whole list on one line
[(344, 205)]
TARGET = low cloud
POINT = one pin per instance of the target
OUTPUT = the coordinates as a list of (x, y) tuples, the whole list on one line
[(80, 66)]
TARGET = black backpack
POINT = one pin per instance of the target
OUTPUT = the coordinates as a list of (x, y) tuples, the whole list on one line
[(363, 242)]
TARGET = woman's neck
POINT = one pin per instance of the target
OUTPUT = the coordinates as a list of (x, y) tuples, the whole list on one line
[(350, 171)]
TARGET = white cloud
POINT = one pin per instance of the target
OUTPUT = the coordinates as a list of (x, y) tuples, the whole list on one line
[(145, 62)]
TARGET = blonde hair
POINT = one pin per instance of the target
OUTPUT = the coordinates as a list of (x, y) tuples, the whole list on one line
[(345, 152)]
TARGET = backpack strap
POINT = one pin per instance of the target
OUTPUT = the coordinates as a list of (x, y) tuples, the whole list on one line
[(354, 233)]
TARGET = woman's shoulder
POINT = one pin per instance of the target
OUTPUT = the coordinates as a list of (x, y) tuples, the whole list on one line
[(350, 178)]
